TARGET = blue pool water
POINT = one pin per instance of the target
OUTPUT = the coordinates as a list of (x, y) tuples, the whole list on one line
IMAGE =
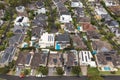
[(78, 28), (94, 52), (57, 46), (107, 68)]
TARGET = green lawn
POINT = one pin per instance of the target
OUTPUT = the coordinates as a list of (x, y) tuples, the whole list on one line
[(109, 73), (93, 71)]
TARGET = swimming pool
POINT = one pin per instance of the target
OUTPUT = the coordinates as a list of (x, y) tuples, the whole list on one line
[(106, 68), (57, 47)]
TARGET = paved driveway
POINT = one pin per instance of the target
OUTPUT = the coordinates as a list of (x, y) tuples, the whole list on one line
[(84, 70)]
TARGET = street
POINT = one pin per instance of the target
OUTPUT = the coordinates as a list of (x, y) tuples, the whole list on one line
[(8, 77)]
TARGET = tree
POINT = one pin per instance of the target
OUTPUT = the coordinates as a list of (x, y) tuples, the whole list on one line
[(9, 34), (76, 70), (26, 72), (11, 64), (4, 70), (60, 70), (95, 77), (43, 70), (2, 47), (1, 31), (2, 6)]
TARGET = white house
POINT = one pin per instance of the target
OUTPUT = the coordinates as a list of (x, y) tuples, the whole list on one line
[(20, 9), (46, 40), (86, 58), (100, 11), (1, 22), (65, 18), (110, 3), (116, 31), (21, 21), (41, 10), (91, 0), (76, 4)]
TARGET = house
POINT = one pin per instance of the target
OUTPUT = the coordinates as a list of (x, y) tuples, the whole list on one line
[(20, 9), (78, 42), (24, 59), (100, 11), (110, 59), (69, 27), (39, 59), (83, 19), (59, 1), (111, 3), (19, 29), (40, 21), (115, 10), (116, 31), (16, 39), (65, 17), (41, 11), (8, 55), (86, 58), (91, 0), (1, 22), (37, 31), (87, 27), (39, 4), (92, 35), (2, 12), (46, 40), (106, 17), (55, 59), (76, 3), (62, 41), (101, 46), (21, 21), (111, 24), (70, 58), (79, 12)]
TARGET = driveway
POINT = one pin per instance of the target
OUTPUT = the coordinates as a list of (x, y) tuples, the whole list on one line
[(84, 70), (51, 71), (18, 71)]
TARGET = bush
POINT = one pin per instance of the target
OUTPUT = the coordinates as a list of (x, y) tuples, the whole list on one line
[(59, 70), (76, 70)]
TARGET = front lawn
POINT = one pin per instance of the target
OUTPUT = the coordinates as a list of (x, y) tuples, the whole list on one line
[(92, 71)]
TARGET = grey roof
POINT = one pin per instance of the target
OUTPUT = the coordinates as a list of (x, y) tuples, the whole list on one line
[(39, 4), (38, 59), (112, 56), (93, 35), (37, 31), (8, 54), (63, 37), (106, 17), (19, 29), (61, 7), (17, 38), (80, 11), (69, 26), (71, 59), (40, 20), (112, 23)]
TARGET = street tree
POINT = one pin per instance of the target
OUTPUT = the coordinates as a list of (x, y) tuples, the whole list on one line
[(60, 71), (76, 70)]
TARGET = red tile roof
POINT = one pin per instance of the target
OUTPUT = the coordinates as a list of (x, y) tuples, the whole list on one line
[(88, 27)]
